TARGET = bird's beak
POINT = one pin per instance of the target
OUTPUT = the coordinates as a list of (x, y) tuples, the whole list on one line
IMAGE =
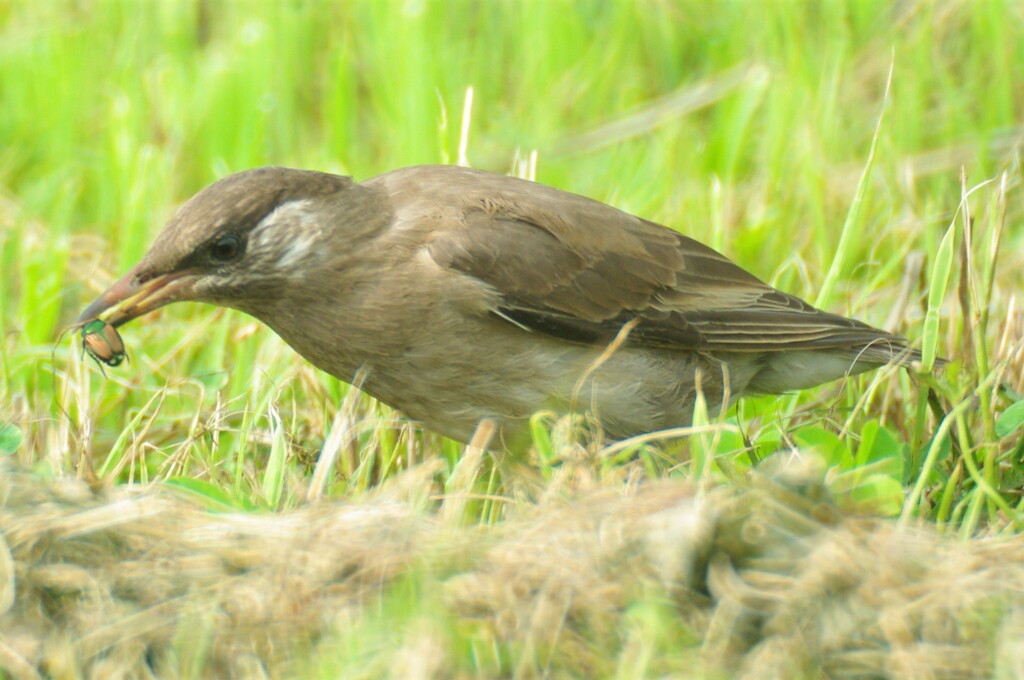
[(129, 298)]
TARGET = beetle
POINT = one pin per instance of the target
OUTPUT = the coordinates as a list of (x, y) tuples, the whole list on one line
[(101, 341)]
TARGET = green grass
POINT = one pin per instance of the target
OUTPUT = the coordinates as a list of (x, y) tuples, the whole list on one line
[(762, 129), (116, 112)]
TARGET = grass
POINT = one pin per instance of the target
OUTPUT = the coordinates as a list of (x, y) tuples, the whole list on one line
[(761, 129)]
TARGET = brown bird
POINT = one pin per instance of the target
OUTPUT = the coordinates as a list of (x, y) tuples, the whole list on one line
[(466, 295)]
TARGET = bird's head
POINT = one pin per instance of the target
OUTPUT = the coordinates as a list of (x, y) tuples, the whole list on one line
[(235, 244)]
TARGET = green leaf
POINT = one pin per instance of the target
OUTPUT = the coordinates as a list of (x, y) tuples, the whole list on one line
[(540, 432), (941, 268), (10, 439), (825, 443), (728, 442), (880, 446), (879, 493), (208, 494), (1007, 422)]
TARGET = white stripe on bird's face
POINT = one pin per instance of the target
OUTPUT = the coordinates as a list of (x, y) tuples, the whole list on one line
[(287, 236)]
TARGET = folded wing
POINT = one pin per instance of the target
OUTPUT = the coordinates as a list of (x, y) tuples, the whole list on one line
[(581, 275)]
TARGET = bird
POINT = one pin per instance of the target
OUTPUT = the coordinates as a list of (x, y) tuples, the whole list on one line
[(458, 295)]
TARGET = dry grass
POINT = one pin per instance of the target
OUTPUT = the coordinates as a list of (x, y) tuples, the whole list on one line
[(770, 581)]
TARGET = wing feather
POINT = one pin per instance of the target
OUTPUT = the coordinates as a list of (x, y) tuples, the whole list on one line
[(578, 269)]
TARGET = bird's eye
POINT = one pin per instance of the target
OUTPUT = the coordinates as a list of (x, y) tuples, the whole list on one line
[(226, 248)]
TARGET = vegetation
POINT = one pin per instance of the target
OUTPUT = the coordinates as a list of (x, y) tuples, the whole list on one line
[(862, 155)]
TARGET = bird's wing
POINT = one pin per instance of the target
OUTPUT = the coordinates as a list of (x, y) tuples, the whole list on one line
[(581, 270)]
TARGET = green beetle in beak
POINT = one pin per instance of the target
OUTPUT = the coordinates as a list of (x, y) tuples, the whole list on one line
[(101, 341)]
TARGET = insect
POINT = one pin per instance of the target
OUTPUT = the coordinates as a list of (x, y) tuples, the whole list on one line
[(101, 342)]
